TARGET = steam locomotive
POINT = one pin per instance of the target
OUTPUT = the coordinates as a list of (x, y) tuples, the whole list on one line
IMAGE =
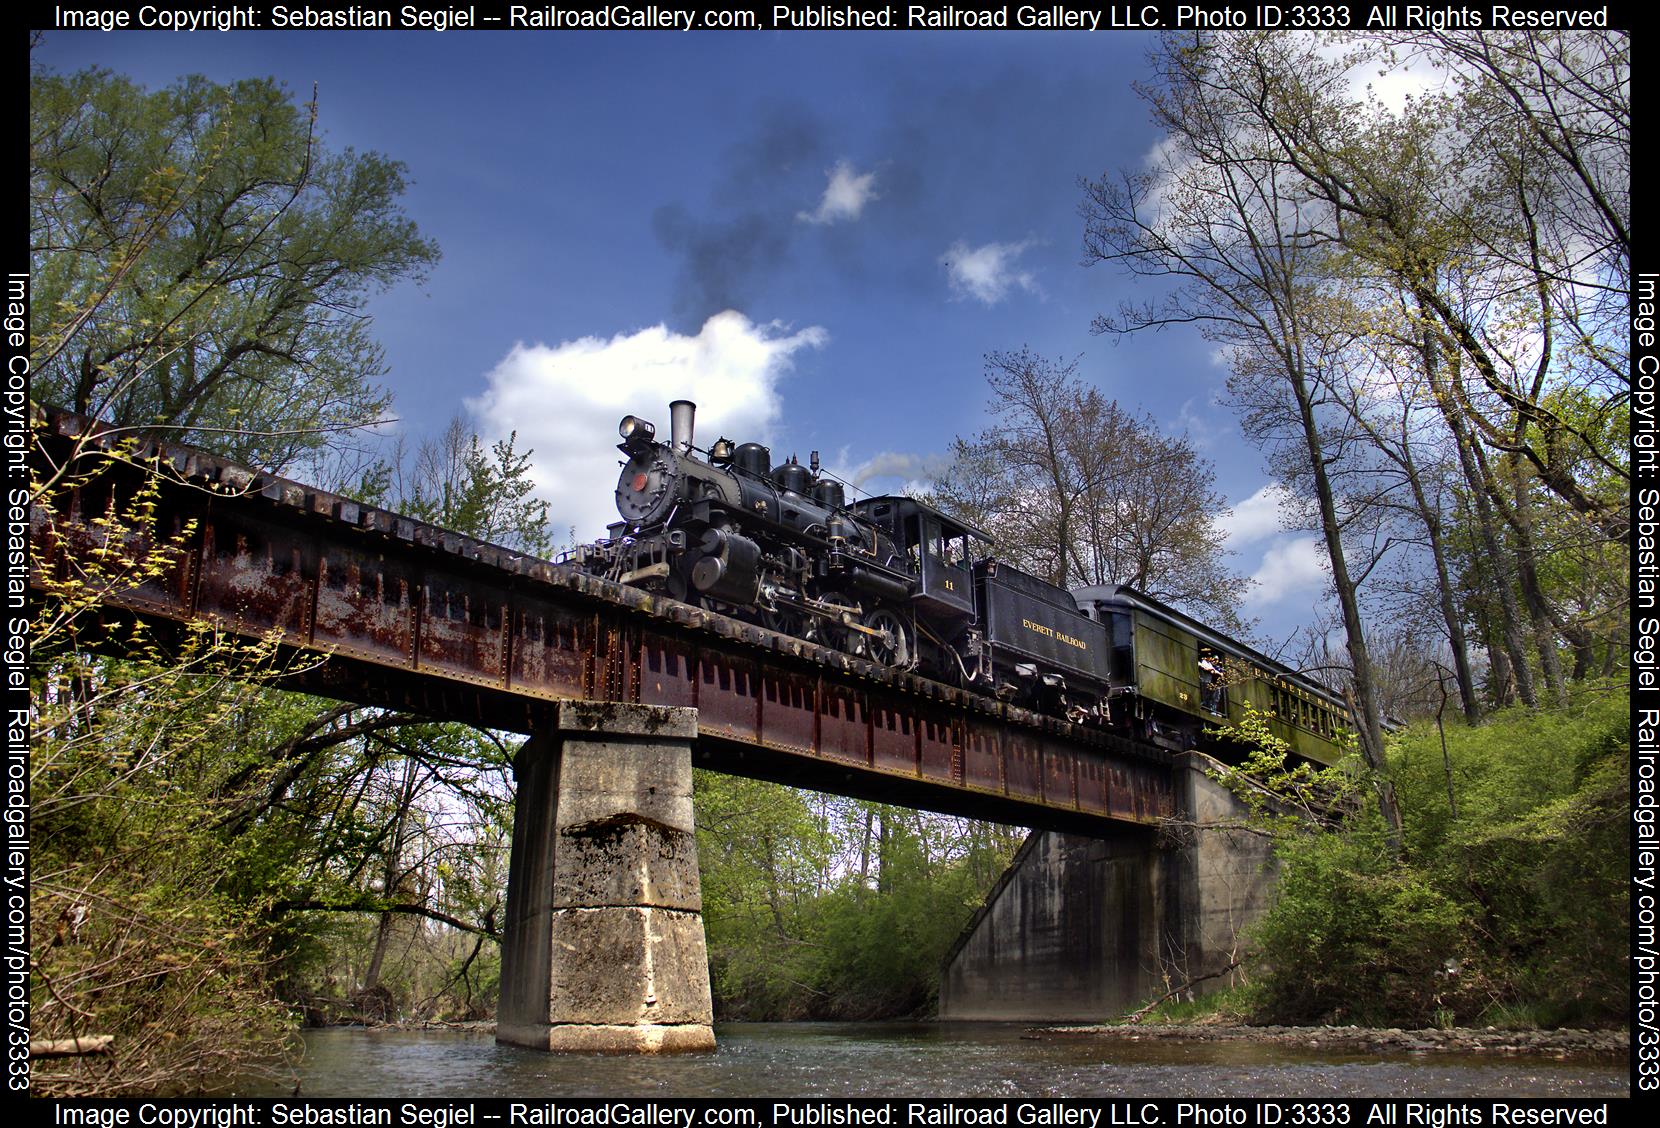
[(898, 582)]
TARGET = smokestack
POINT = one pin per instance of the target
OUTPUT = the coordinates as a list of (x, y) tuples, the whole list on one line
[(682, 414)]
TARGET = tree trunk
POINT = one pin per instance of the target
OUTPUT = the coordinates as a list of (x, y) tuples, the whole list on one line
[(1487, 527), (1431, 517), (1364, 703), (1539, 610), (864, 849), (391, 873)]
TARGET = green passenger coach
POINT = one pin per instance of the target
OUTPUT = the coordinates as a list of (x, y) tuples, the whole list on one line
[(1175, 675)]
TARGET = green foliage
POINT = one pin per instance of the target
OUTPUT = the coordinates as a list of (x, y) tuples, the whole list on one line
[(204, 843), (377, 827), (201, 261), (1355, 937), (1512, 904), (817, 907), (1229, 1006), (1537, 848), (134, 935), (1285, 795), (457, 484), (207, 844)]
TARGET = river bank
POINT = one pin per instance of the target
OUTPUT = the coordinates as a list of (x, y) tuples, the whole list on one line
[(1462, 1040)]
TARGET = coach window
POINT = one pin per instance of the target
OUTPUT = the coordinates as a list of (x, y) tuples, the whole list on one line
[(1213, 691)]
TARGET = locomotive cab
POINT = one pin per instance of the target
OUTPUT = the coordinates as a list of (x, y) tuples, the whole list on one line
[(938, 550)]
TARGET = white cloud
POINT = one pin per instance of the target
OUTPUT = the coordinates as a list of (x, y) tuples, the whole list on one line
[(1223, 356), (987, 272), (1170, 165), (565, 400), (844, 197), (1255, 518), (1292, 567)]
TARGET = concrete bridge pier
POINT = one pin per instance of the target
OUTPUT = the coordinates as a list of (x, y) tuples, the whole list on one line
[(603, 948), (1085, 929)]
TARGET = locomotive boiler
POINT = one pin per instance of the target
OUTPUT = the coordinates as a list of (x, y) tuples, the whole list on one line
[(898, 582), (727, 529)]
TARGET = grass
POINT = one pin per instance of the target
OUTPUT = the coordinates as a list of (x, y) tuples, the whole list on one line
[(1218, 1008)]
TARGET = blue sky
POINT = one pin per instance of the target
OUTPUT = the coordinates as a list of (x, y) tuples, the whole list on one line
[(817, 235)]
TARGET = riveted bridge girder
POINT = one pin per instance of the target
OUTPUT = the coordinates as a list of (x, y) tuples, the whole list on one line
[(413, 616)]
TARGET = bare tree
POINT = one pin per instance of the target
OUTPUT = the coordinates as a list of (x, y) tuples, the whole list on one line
[(1383, 391), (1230, 223), (1081, 491)]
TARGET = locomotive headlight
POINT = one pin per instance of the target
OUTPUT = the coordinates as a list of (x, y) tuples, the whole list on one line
[(635, 430)]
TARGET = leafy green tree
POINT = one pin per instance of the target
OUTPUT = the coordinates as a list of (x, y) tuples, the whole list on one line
[(1474, 242), (1508, 903), (140, 951), (830, 908), (325, 815), (764, 855), (1525, 821), (454, 482), (202, 266), (409, 819), (1228, 224), (1357, 937), (201, 262)]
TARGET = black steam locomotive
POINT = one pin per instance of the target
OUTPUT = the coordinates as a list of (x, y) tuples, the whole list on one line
[(898, 582)]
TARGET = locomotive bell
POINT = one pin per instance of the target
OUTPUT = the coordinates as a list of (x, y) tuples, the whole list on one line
[(682, 415)]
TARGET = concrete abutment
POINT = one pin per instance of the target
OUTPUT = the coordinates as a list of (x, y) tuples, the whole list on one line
[(603, 948), (1083, 929)]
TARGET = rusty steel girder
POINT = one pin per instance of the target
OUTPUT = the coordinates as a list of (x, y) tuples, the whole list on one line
[(415, 616)]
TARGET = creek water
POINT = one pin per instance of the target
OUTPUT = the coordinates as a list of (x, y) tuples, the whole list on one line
[(919, 1059)]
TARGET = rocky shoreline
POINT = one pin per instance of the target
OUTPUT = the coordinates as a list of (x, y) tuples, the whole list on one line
[(1466, 1040)]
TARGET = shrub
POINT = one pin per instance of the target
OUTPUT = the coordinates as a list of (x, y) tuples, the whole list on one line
[(1508, 899)]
